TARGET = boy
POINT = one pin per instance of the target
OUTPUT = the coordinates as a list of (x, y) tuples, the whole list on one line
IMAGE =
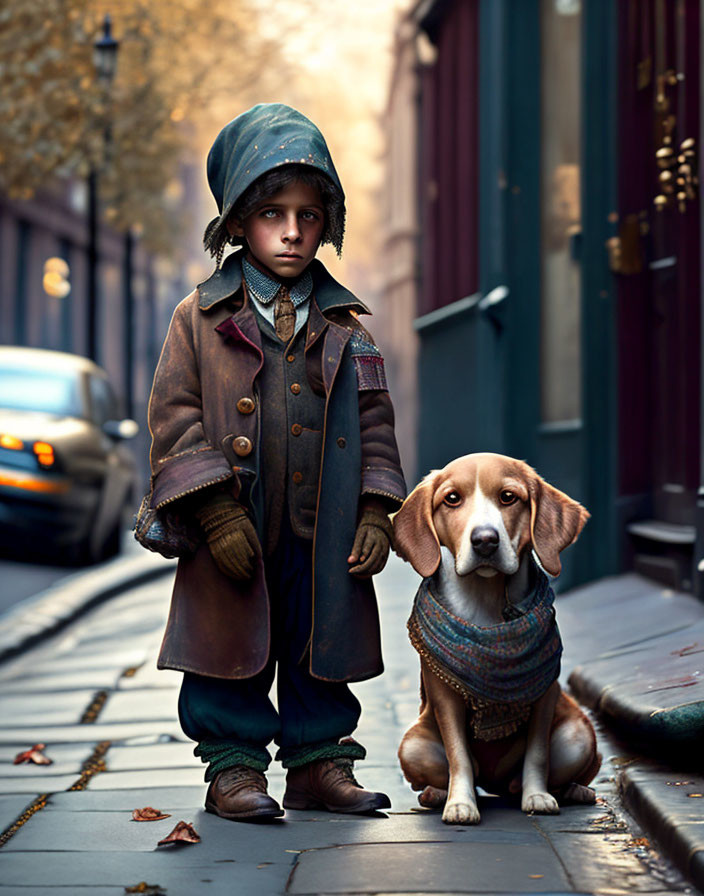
[(274, 466)]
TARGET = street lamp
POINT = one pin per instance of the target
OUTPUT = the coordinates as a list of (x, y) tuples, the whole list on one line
[(105, 61), (105, 54)]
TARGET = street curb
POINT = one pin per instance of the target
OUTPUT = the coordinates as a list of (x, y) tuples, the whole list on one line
[(659, 801), (48, 612)]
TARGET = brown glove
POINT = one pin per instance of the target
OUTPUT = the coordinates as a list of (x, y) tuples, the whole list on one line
[(231, 536), (372, 542)]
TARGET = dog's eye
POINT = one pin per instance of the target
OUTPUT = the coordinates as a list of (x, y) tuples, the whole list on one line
[(507, 497), (452, 499)]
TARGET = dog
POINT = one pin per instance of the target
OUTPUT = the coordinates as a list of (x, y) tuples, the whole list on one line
[(482, 532)]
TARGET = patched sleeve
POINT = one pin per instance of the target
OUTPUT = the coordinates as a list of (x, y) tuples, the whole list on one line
[(182, 459), (368, 362), (381, 465)]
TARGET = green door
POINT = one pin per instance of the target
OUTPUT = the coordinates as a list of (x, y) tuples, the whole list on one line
[(556, 194)]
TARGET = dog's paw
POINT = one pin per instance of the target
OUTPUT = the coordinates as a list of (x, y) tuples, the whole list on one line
[(461, 813), (539, 804), (432, 798), (578, 793)]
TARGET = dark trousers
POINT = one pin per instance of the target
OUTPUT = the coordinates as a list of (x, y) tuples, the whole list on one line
[(236, 718)]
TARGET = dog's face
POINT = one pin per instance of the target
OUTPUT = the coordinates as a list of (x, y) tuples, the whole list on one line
[(486, 509)]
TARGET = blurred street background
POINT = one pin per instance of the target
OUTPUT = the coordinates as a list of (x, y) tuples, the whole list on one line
[(524, 221)]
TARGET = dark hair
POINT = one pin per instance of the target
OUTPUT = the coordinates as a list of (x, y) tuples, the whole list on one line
[(217, 235)]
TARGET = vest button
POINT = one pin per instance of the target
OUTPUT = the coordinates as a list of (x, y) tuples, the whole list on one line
[(290, 358), (245, 405), (296, 388), (242, 446), (297, 477), (296, 429), (341, 442)]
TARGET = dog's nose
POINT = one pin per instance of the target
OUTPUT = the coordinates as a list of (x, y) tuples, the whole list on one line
[(485, 540)]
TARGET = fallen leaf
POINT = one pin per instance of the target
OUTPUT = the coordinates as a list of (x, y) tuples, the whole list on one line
[(678, 783), (694, 795), (640, 842), (34, 754), (148, 814), (182, 833), (535, 876)]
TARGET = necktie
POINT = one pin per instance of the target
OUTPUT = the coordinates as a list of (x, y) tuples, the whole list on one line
[(284, 315)]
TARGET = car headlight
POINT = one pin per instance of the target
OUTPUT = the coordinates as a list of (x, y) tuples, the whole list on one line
[(45, 454), (11, 442)]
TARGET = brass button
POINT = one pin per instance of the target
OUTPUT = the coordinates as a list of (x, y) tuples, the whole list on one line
[(296, 388), (296, 429), (297, 477), (342, 443), (290, 358), (245, 405), (242, 445)]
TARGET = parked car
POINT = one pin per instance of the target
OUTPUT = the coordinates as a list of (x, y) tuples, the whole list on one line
[(66, 475)]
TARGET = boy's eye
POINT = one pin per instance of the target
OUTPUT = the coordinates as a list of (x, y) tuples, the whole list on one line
[(269, 213), (309, 216)]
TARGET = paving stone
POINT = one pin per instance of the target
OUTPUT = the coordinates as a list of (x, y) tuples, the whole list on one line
[(174, 755), (11, 807), (622, 611), (170, 799), (88, 832), (114, 660), (144, 779), (94, 679), (38, 784), (429, 868), (591, 860), (37, 710), (181, 871), (572, 820), (10, 772), (89, 733), (68, 891), (124, 706)]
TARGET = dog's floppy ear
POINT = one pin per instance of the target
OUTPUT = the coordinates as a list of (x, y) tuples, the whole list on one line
[(414, 533), (555, 523)]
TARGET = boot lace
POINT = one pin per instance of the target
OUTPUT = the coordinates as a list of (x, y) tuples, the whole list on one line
[(246, 775), (344, 769)]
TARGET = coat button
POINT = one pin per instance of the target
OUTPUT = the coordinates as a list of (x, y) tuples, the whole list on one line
[(296, 429), (341, 442), (297, 477), (245, 405), (296, 388), (290, 358), (242, 445)]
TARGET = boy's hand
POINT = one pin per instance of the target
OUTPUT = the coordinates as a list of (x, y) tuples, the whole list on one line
[(231, 537), (374, 537)]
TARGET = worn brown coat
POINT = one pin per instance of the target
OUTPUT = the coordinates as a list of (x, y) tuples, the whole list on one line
[(210, 361)]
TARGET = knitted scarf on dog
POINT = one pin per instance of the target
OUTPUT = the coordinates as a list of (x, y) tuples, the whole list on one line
[(500, 670)]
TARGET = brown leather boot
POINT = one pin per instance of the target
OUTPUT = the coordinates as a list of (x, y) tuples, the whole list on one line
[(239, 793), (330, 784)]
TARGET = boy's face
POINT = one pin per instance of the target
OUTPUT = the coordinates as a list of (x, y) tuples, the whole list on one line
[(283, 233)]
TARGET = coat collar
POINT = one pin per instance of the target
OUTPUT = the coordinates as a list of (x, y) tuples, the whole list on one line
[(227, 280)]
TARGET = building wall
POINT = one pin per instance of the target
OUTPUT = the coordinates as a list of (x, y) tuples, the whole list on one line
[(400, 245)]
